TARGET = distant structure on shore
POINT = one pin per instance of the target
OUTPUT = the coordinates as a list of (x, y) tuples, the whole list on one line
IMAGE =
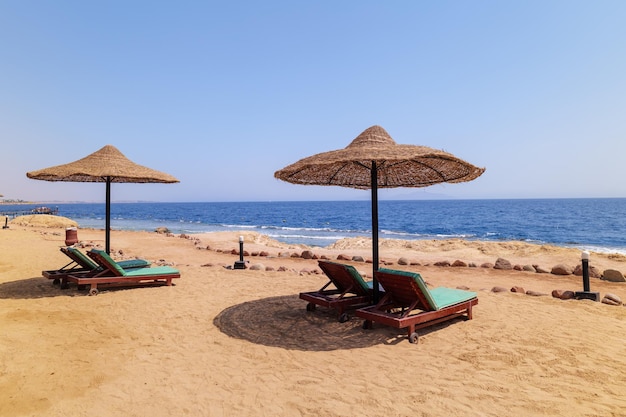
[(45, 210), (37, 210), (12, 201)]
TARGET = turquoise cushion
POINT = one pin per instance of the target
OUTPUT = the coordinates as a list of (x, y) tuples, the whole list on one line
[(109, 260), (445, 297), (154, 271), (420, 283), (358, 278), (370, 285), (85, 261), (134, 263)]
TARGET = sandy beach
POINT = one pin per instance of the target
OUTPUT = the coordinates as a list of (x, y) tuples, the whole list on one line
[(227, 342)]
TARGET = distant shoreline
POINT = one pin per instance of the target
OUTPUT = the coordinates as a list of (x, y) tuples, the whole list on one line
[(4, 202)]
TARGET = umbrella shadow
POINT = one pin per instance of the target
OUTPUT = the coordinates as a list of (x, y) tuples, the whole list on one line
[(32, 288), (284, 322)]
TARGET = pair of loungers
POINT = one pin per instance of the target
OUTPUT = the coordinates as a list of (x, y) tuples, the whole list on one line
[(346, 289), (82, 265), (98, 268), (406, 302)]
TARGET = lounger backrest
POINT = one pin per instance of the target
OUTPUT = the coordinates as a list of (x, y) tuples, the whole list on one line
[(406, 287), (79, 257), (107, 262), (345, 277)]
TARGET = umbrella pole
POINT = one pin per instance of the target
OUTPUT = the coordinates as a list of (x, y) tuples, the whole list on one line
[(374, 187), (107, 232)]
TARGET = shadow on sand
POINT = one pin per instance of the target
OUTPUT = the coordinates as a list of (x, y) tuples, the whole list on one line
[(38, 287), (31, 288), (284, 322)]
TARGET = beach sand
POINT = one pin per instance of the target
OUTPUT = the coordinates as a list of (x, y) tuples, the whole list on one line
[(240, 343)]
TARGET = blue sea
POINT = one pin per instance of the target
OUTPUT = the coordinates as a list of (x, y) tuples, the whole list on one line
[(588, 224)]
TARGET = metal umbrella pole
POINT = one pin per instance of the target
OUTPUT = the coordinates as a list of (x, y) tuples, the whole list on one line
[(107, 231), (375, 230)]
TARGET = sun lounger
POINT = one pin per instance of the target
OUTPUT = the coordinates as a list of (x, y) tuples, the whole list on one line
[(350, 290), (82, 265), (75, 266), (408, 303), (112, 274)]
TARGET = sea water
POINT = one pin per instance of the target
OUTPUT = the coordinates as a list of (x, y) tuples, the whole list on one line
[(589, 224)]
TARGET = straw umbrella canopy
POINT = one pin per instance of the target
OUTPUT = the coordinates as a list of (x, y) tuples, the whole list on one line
[(373, 160), (106, 165)]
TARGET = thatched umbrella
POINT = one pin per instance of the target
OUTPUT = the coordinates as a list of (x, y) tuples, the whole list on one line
[(106, 165), (373, 160)]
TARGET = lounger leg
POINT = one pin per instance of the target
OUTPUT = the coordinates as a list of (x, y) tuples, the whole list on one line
[(94, 289), (342, 316), (412, 334), (469, 312)]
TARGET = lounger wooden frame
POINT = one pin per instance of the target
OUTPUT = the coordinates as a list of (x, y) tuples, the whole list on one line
[(407, 303), (113, 275), (350, 291), (82, 265), (75, 266)]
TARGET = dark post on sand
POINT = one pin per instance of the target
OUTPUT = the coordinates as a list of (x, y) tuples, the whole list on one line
[(585, 260), (240, 264), (586, 293)]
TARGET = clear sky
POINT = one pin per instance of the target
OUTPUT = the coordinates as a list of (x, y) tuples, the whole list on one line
[(223, 94)]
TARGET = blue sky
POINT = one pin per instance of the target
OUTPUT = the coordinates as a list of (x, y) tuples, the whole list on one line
[(223, 94)]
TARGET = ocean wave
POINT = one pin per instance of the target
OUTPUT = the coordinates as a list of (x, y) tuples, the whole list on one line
[(238, 226), (533, 221), (600, 249), (279, 236), (312, 229), (457, 236)]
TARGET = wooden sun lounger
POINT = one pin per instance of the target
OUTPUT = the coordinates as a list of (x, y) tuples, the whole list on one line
[(112, 274), (75, 266), (350, 290), (408, 303), (82, 265)]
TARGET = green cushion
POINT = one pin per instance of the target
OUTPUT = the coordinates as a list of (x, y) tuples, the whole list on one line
[(439, 297), (157, 270), (445, 297), (134, 263), (420, 283), (84, 260), (109, 260), (358, 278)]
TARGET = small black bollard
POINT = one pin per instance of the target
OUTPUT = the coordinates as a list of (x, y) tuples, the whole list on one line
[(586, 294), (6, 223), (585, 260), (240, 264)]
